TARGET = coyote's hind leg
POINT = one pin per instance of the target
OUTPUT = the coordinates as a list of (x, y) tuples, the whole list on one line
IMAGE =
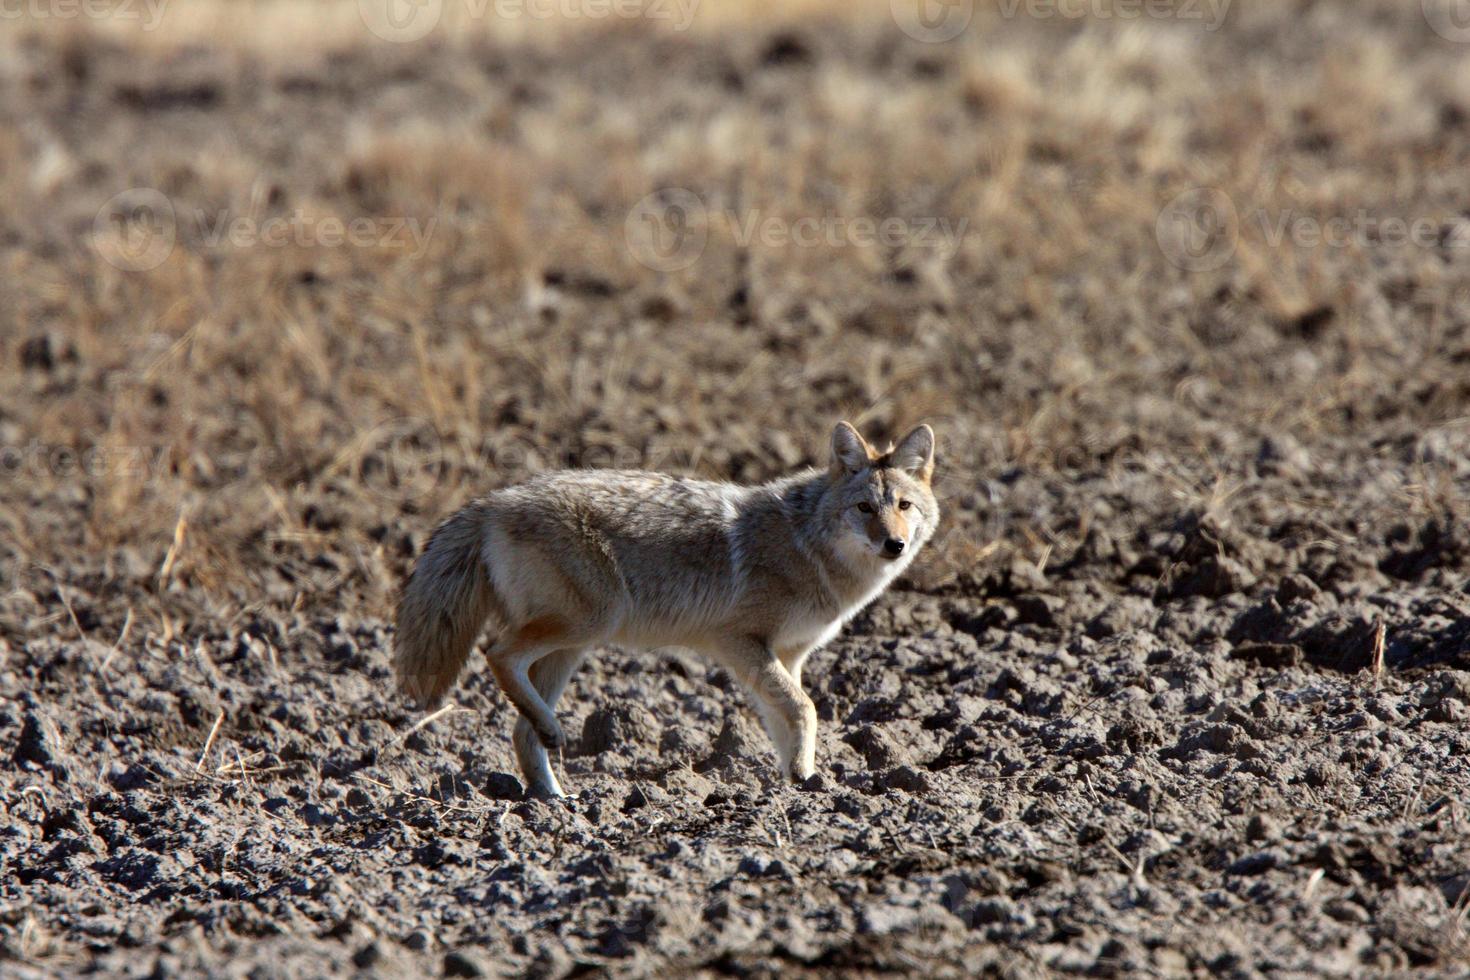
[(549, 676), (514, 677)]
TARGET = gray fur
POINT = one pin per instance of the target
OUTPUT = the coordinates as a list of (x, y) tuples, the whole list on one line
[(754, 577)]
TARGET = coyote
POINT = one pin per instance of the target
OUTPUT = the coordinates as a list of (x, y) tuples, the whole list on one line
[(755, 577)]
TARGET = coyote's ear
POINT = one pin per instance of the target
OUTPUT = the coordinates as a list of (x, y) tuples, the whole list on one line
[(849, 450), (915, 453)]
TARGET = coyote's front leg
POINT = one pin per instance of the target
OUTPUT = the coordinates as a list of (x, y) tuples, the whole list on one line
[(788, 714)]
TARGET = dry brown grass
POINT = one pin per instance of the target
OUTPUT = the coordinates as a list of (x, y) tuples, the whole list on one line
[(290, 29), (266, 386)]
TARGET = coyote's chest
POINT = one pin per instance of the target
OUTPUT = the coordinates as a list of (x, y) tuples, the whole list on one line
[(805, 630), (809, 626)]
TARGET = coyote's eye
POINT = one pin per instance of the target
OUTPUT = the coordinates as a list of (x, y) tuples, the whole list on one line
[(905, 504), (865, 507)]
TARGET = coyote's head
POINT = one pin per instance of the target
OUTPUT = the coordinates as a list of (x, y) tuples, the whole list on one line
[(883, 503)]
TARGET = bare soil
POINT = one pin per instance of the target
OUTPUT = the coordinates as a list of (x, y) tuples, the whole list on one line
[(1182, 689)]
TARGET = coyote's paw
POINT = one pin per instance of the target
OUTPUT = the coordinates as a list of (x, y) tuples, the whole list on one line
[(553, 739), (544, 791)]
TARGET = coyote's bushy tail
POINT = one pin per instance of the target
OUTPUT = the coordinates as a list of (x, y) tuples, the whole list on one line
[(442, 608)]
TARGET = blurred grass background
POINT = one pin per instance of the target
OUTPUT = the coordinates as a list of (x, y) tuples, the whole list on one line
[(304, 413)]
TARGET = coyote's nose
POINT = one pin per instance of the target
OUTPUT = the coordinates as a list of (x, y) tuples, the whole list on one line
[(893, 547)]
